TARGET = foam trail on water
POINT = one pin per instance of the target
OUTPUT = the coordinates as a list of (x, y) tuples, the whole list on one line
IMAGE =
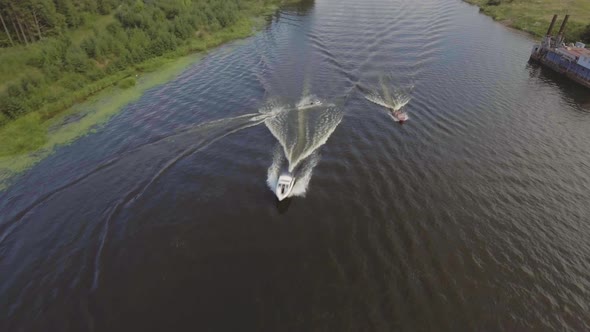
[(274, 171), (308, 101), (303, 129), (302, 173), (389, 99), (273, 107), (300, 132), (393, 96)]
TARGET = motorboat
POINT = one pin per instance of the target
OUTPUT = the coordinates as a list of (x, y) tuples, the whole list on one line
[(400, 116), (284, 186)]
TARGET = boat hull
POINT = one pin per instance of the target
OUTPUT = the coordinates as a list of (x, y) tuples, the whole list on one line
[(284, 186)]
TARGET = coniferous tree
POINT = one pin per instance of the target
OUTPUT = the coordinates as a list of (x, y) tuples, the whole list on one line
[(6, 28)]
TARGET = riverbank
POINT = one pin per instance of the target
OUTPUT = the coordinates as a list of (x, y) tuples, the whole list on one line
[(80, 119), (32, 137), (32, 98), (27, 133), (534, 16)]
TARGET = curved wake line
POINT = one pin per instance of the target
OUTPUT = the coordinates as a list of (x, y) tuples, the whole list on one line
[(223, 127), (140, 191), (302, 130), (391, 98), (396, 105), (251, 120)]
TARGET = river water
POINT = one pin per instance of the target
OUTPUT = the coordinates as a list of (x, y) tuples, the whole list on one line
[(473, 215)]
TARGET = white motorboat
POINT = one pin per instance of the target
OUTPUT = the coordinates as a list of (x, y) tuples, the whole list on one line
[(284, 186)]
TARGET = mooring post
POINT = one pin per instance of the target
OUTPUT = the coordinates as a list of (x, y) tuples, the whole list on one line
[(552, 24), (562, 30)]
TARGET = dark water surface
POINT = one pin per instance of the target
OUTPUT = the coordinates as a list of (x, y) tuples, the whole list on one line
[(474, 215)]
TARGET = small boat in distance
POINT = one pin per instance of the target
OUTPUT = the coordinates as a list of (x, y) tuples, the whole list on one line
[(284, 186), (400, 116), (394, 102)]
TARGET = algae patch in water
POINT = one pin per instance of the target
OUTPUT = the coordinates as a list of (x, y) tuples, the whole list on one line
[(78, 121)]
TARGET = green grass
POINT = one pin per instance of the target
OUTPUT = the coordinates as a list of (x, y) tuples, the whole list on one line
[(3, 119), (25, 134), (534, 16), (127, 83)]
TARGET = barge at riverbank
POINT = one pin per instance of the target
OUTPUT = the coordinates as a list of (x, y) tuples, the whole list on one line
[(572, 60)]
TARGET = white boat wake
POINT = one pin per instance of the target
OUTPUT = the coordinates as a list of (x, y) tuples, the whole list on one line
[(300, 132), (302, 173), (393, 99), (395, 103)]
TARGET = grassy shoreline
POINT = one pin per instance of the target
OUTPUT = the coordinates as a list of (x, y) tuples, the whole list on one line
[(89, 115), (534, 16), (25, 133), (32, 137)]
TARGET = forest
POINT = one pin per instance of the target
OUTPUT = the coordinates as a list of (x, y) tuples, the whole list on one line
[(57, 52)]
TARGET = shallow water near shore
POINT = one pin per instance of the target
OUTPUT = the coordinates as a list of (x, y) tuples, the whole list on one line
[(472, 215), (88, 116)]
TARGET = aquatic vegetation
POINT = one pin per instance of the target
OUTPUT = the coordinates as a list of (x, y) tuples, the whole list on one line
[(31, 132), (103, 45)]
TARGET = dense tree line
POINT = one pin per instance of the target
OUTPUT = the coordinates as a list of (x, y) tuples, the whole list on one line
[(27, 21), (141, 30)]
